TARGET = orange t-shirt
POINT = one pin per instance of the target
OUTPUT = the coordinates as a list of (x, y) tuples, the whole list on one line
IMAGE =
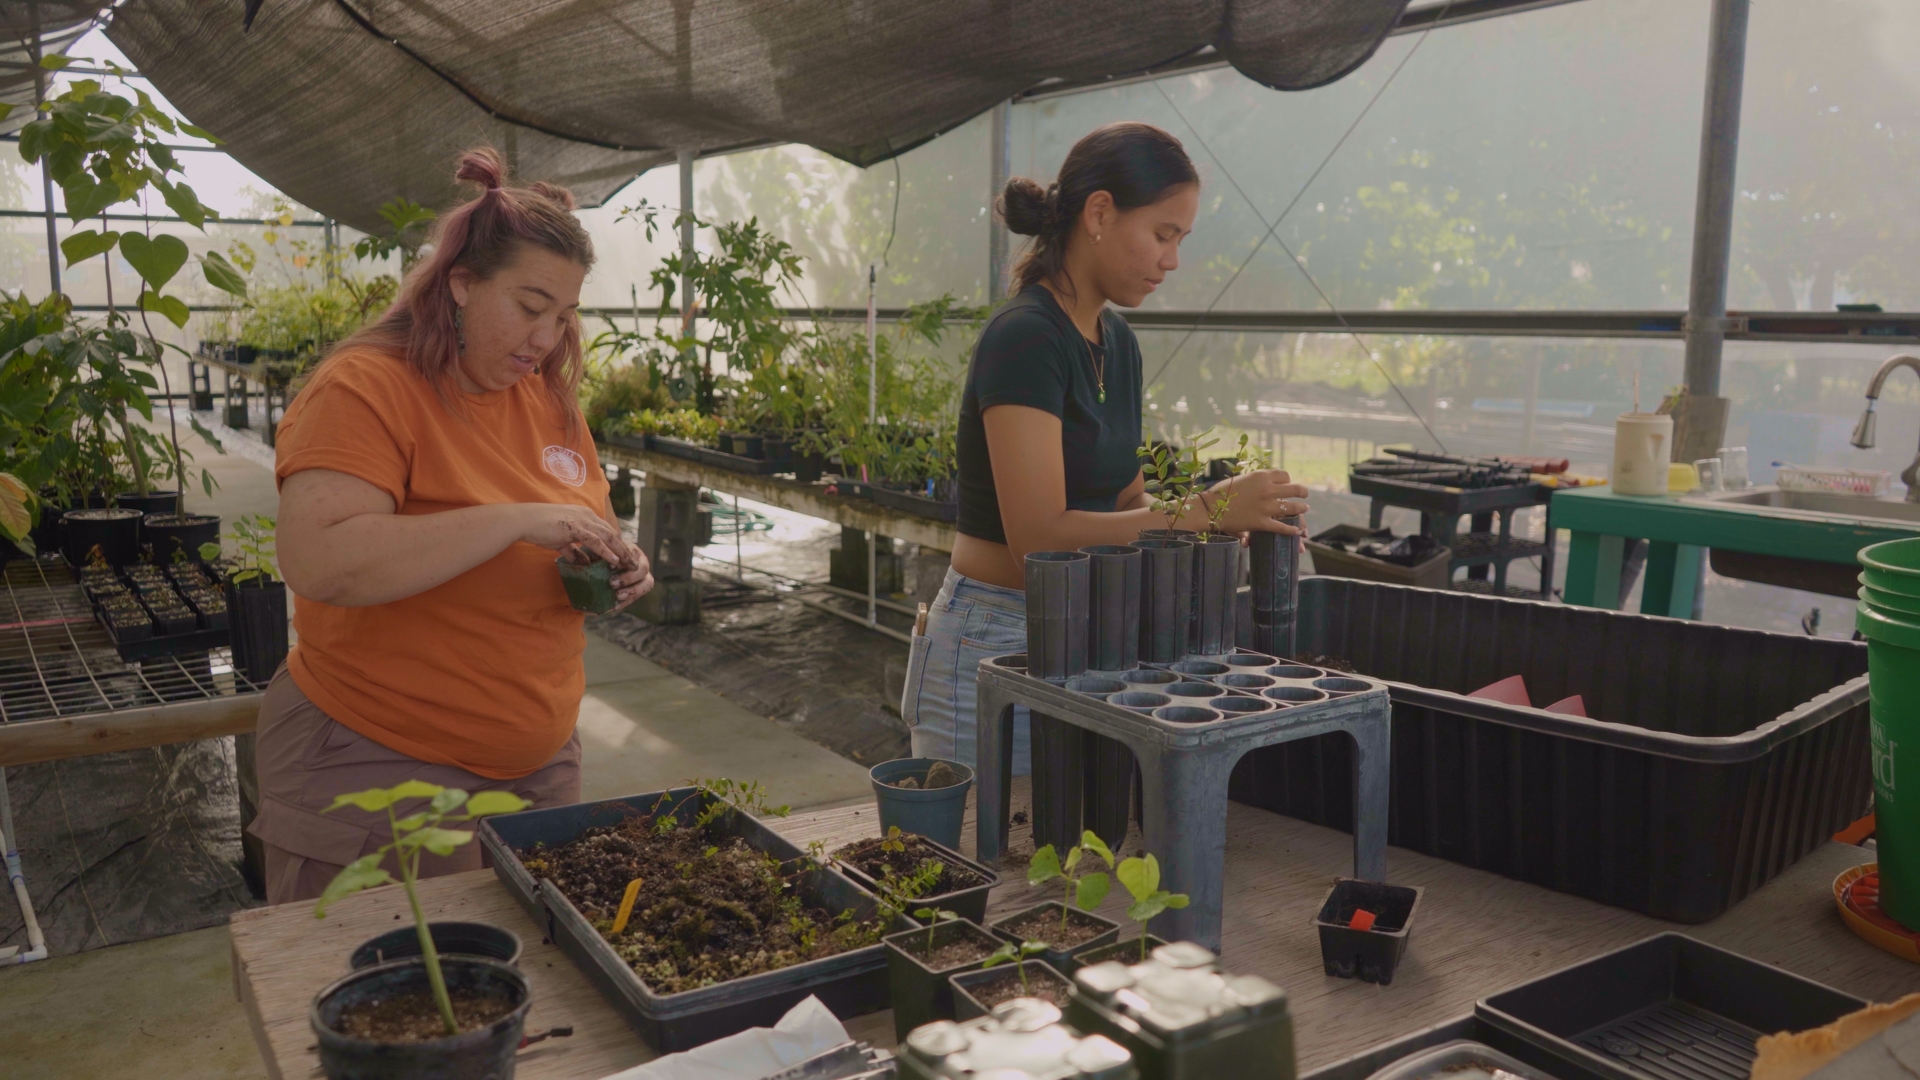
[(484, 671)]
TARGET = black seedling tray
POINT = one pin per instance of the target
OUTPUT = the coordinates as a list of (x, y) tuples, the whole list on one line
[(908, 503), (706, 455), (849, 984), (1667, 1008), (969, 904), (1206, 689)]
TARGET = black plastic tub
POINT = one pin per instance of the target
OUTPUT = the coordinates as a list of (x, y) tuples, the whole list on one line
[(1370, 955), (1715, 759), (968, 903), (850, 983), (921, 994), (1667, 1008)]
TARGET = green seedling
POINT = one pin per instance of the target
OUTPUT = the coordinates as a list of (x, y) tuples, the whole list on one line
[(1017, 956), (1084, 889), (1243, 460), (253, 537), (419, 832), (745, 796), (1169, 484), (1141, 877), (933, 917), (894, 840)]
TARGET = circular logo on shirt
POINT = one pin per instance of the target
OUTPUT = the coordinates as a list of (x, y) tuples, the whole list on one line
[(565, 464)]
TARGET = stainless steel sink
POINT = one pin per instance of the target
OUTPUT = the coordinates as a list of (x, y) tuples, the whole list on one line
[(1823, 503)]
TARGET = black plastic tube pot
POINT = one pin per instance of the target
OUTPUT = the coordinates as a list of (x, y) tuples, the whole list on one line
[(1166, 599), (1107, 802), (1275, 573), (1113, 607), (449, 939), (257, 616), (1216, 585), (1059, 768), (920, 992), (486, 1051), (1057, 605)]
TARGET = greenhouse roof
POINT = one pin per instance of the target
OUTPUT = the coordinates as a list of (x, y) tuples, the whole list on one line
[(345, 104)]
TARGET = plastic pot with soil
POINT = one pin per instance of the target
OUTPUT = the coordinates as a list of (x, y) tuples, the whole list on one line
[(173, 536), (382, 1021), (1067, 932), (919, 963), (483, 940), (589, 582), (1129, 951), (923, 796), (153, 502), (975, 993), (940, 878), (115, 533), (257, 617)]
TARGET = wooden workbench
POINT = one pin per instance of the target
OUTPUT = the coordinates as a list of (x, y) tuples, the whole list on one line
[(809, 499), (1474, 934)]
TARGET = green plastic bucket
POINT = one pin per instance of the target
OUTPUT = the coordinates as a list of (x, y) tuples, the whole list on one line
[(1889, 603), (1893, 677), (1893, 566)]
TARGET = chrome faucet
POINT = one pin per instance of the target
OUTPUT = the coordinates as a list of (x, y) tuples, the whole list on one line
[(1863, 431)]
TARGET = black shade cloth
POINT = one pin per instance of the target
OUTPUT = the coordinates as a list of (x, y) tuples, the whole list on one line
[(344, 104)]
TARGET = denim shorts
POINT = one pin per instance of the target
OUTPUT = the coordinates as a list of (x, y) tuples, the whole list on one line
[(968, 622)]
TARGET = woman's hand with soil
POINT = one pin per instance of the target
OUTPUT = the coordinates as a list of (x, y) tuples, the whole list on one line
[(576, 530), (1255, 503)]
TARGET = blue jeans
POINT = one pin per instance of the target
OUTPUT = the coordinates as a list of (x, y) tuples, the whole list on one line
[(968, 622)]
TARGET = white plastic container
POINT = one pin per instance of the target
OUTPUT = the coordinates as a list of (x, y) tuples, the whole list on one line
[(1642, 445)]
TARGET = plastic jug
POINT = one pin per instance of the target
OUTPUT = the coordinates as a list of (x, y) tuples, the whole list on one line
[(1642, 445)]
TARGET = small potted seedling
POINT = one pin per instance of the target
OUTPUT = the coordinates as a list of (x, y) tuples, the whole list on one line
[(1066, 932), (256, 599), (975, 993), (1141, 878), (919, 962), (960, 885), (477, 1006), (589, 581)]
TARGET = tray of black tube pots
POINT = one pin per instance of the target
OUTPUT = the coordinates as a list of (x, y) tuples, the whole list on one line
[(150, 612), (690, 915)]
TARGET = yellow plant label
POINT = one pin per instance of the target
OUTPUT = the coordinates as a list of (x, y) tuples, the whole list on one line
[(626, 906)]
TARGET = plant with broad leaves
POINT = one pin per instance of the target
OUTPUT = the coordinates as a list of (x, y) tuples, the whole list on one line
[(1016, 954), (1169, 481), (418, 833), (16, 511), (1141, 877), (253, 537), (1084, 888), (894, 840), (1244, 459), (933, 917), (409, 221)]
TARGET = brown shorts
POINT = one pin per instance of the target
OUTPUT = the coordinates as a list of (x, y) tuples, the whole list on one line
[(305, 758)]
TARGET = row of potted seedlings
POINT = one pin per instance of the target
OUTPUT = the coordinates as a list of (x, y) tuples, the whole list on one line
[(143, 601)]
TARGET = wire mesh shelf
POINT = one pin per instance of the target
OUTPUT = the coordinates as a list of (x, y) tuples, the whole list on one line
[(56, 660)]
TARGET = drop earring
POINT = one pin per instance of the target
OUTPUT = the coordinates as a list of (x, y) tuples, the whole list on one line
[(1096, 238), (460, 327)]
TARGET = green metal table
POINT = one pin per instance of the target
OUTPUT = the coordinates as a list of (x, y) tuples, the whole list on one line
[(1677, 529)]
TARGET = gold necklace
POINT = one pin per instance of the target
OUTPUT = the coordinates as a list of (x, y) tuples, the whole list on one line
[(1099, 369)]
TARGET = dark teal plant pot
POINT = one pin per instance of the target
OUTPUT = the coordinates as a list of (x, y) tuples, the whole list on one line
[(935, 814), (589, 587)]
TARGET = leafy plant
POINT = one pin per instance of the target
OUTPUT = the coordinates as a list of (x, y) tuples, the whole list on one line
[(933, 917), (1141, 877), (611, 391), (253, 537), (725, 796), (675, 423), (1016, 954), (896, 893), (409, 221), (1169, 481), (1244, 459), (1083, 889), (894, 840), (419, 832)]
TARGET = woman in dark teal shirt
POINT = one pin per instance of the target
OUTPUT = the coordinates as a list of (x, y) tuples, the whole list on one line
[(1050, 419)]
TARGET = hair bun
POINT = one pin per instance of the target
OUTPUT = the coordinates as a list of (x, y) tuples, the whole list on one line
[(482, 165), (553, 191), (1026, 207)]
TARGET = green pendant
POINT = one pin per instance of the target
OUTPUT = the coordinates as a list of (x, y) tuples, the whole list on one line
[(1103, 397)]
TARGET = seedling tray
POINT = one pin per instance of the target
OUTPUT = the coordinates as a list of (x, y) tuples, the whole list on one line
[(849, 984), (969, 904), (908, 503), (1715, 758), (707, 455), (1667, 1008)]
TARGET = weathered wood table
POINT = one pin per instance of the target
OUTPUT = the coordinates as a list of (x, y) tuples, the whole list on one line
[(1475, 934)]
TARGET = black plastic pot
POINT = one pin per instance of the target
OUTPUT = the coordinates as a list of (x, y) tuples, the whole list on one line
[(1368, 955), (968, 903), (1057, 583), (1107, 799), (1166, 599), (115, 532), (1126, 951), (153, 502), (1275, 581), (449, 939), (590, 587), (967, 1007), (169, 532), (743, 445), (1113, 607), (922, 994), (257, 615), (808, 465), (1066, 961), (245, 354), (620, 493), (1059, 780), (1216, 586), (471, 1055)]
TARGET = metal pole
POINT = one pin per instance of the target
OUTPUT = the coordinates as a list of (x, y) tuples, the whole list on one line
[(1000, 139), (873, 406), (686, 242), (1706, 325), (46, 172)]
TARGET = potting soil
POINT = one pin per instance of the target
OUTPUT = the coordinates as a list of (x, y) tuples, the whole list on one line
[(1040, 984), (413, 1017), (947, 954), (871, 859), (1045, 926), (709, 909)]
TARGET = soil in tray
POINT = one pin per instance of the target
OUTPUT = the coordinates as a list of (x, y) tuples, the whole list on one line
[(1331, 663), (413, 1017), (1045, 926), (709, 909), (869, 858), (1040, 984), (947, 954)]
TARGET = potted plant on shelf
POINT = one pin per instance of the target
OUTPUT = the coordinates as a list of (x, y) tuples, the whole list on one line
[(1066, 927), (975, 993), (477, 1005), (256, 600), (1216, 567), (924, 796), (958, 885), (1141, 878)]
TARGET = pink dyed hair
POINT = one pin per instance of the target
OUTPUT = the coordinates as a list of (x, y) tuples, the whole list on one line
[(484, 235)]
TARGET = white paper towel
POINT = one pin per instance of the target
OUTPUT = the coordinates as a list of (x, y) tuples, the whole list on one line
[(807, 1029)]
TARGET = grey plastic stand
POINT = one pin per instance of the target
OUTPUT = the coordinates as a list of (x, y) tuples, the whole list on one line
[(1184, 766)]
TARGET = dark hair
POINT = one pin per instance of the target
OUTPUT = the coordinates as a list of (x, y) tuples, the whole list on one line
[(483, 234), (1133, 162)]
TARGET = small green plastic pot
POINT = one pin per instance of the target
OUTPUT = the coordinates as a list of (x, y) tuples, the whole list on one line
[(589, 587)]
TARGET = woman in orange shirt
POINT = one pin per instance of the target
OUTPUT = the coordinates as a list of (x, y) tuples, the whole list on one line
[(428, 474)]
